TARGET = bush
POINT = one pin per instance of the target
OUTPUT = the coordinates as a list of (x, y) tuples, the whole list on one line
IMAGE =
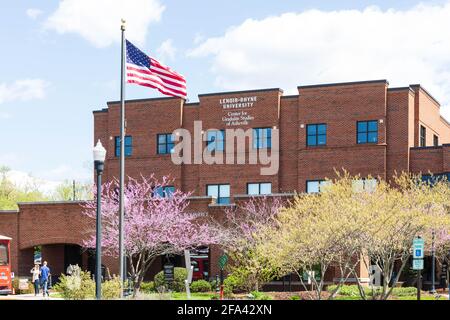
[(111, 289), (15, 285), (148, 287), (180, 274), (260, 295), (200, 286), (76, 287), (348, 290), (231, 284), (402, 292), (352, 291), (295, 298)]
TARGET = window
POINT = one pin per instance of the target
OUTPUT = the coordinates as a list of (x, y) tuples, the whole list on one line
[(165, 143), (435, 140), (316, 186), (216, 140), (128, 146), (165, 191), (368, 185), (367, 132), (316, 134), (220, 191), (262, 138), (259, 188), (423, 136), (3, 255)]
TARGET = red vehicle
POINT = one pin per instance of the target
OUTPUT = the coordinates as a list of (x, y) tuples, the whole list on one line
[(200, 261), (5, 265)]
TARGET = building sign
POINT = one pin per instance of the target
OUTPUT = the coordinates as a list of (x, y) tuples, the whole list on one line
[(237, 103), (237, 118), (199, 214), (232, 115), (169, 275)]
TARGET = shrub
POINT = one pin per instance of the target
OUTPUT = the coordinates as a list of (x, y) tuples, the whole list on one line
[(215, 284), (347, 290), (352, 291), (295, 298), (260, 295), (200, 286), (231, 284), (15, 285), (111, 289), (180, 274), (148, 287), (76, 287), (402, 292)]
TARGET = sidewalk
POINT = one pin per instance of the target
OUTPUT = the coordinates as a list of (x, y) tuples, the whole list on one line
[(27, 297)]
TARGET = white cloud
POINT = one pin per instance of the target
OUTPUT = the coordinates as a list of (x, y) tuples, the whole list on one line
[(166, 50), (5, 115), (310, 47), (198, 38), (98, 21), (23, 90), (25, 180), (33, 13), (8, 159), (45, 181), (66, 172)]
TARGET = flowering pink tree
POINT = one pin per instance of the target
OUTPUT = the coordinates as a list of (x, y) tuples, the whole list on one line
[(248, 228), (154, 225)]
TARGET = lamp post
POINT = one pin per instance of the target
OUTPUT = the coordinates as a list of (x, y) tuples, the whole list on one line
[(99, 163), (433, 264)]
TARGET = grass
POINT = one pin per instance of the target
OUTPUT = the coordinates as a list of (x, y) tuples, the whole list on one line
[(194, 296), (180, 296), (55, 295), (424, 297)]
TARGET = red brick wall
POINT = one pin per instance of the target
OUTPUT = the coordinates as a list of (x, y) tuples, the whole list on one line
[(52, 223), (431, 159), (340, 107)]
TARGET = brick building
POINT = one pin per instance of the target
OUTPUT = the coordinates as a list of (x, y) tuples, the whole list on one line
[(365, 127)]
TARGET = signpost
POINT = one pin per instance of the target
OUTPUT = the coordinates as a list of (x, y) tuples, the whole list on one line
[(223, 259), (169, 275), (190, 271), (418, 254)]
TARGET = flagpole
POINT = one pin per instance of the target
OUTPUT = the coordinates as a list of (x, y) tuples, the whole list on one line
[(122, 163)]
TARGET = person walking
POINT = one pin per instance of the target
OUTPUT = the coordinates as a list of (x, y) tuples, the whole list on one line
[(35, 278), (45, 272)]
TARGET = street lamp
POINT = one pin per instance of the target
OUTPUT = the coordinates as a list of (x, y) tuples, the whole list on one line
[(99, 163), (433, 263)]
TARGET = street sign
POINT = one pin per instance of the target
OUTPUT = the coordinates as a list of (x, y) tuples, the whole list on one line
[(417, 264), (223, 261), (418, 246), (37, 258)]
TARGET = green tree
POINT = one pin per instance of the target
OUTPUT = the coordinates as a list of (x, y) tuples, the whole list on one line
[(11, 194), (65, 191)]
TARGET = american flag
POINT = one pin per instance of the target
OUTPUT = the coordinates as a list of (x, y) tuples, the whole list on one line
[(146, 71)]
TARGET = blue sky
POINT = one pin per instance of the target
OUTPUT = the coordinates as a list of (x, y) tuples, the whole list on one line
[(60, 59)]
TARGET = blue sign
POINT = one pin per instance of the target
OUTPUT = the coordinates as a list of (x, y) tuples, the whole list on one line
[(418, 248)]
